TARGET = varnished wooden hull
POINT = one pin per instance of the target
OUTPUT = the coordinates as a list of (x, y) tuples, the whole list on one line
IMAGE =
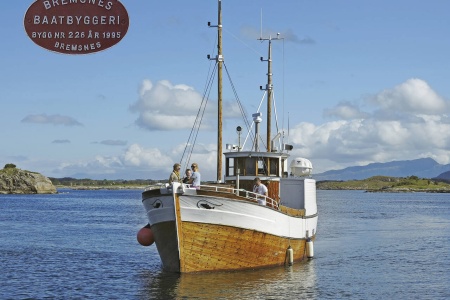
[(208, 247), (198, 231)]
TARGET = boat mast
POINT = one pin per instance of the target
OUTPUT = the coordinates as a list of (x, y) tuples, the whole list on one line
[(269, 96), (269, 89), (219, 94), (219, 61)]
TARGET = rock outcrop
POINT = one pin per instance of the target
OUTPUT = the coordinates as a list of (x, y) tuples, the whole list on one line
[(17, 181)]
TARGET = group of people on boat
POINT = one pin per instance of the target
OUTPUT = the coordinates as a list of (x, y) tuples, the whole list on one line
[(192, 176)]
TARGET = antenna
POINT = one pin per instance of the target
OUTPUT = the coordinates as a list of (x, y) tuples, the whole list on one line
[(260, 34)]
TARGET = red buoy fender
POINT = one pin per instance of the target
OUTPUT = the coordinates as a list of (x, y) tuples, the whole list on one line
[(145, 236)]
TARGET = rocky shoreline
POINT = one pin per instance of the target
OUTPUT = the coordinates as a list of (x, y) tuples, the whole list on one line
[(17, 181)]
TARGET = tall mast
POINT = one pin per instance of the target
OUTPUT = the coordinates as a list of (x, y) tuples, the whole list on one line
[(219, 61), (269, 89), (219, 94), (269, 97)]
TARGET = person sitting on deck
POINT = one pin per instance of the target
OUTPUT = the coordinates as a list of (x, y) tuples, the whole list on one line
[(175, 175), (261, 189)]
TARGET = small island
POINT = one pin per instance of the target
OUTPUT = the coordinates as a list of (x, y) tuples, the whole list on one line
[(389, 185), (17, 181)]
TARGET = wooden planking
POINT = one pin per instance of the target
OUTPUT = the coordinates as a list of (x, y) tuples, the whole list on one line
[(207, 247), (292, 211), (167, 244)]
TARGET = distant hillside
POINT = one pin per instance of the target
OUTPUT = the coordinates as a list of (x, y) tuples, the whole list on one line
[(444, 176), (423, 168), (388, 184)]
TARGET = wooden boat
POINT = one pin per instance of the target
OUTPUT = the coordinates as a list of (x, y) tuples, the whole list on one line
[(221, 226)]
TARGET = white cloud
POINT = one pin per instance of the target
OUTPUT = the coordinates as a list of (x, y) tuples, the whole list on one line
[(164, 106), (138, 162), (413, 96), (346, 111), (51, 119), (409, 121), (61, 142), (152, 158), (113, 142), (356, 138)]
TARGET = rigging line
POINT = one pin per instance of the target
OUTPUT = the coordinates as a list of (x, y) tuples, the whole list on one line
[(250, 132), (238, 39), (275, 110), (211, 63), (196, 119), (288, 128), (199, 124), (208, 80), (202, 112), (200, 121), (276, 118), (207, 87), (282, 120), (241, 107)]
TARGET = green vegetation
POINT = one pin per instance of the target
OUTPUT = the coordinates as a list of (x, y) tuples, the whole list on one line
[(11, 169), (68, 182), (387, 184)]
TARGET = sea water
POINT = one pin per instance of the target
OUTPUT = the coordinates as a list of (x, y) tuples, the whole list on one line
[(82, 245)]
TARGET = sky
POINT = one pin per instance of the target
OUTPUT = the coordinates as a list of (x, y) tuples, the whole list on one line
[(355, 82)]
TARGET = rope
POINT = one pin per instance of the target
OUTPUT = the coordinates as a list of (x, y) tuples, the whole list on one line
[(198, 120)]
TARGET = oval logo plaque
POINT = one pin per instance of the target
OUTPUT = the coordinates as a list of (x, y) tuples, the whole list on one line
[(76, 26)]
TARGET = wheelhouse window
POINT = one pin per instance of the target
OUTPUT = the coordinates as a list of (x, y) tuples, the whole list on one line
[(274, 166), (262, 167), (250, 166), (254, 166), (230, 166)]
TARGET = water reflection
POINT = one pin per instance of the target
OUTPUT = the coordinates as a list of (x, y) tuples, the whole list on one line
[(298, 280)]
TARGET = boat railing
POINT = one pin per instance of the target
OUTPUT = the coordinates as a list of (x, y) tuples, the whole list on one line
[(242, 193), (167, 188)]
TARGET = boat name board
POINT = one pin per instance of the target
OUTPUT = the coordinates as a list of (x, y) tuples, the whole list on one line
[(76, 26)]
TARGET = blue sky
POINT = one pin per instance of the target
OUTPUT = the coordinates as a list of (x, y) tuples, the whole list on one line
[(361, 82)]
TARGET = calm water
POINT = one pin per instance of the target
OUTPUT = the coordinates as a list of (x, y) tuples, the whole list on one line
[(82, 244)]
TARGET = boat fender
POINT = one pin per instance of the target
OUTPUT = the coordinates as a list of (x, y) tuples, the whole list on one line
[(145, 236), (309, 249), (290, 255)]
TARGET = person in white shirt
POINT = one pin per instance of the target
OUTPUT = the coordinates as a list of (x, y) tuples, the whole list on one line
[(260, 189), (195, 177)]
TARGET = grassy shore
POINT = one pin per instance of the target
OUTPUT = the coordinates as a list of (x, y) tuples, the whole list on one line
[(372, 184), (388, 184), (91, 184)]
